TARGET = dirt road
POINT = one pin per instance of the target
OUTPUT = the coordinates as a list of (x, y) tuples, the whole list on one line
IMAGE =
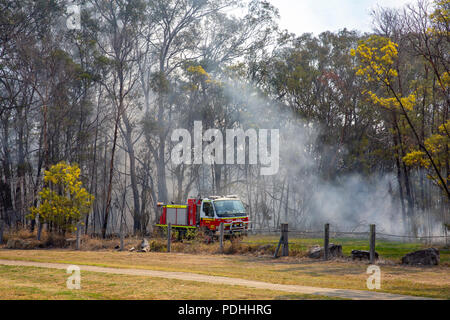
[(341, 293)]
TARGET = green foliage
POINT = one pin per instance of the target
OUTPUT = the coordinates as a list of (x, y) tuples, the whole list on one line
[(438, 145), (191, 233)]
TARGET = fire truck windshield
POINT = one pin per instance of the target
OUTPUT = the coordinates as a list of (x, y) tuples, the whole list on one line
[(229, 208)]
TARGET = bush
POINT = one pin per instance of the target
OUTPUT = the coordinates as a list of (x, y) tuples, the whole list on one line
[(53, 241), (157, 246)]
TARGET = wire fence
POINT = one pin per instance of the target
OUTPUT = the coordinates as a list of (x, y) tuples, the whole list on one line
[(354, 235), (290, 237)]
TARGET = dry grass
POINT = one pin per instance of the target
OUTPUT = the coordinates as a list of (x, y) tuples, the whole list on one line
[(51, 240), (251, 259), (256, 245), (198, 245), (40, 283), (20, 234), (48, 240), (93, 244), (419, 281)]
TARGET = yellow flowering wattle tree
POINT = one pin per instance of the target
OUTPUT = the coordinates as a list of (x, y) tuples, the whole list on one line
[(440, 18), (377, 57), (63, 201), (376, 65)]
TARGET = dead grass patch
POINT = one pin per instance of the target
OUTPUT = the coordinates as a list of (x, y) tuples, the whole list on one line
[(41, 283), (418, 281)]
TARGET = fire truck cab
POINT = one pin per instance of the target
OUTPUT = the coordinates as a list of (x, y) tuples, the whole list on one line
[(206, 214)]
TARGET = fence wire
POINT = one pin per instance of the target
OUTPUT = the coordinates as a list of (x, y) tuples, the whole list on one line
[(334, 234)]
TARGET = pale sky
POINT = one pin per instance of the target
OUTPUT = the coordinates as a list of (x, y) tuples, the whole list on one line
[(316, 16)]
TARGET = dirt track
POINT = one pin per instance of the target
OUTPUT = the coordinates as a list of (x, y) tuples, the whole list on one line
[(341, 293)]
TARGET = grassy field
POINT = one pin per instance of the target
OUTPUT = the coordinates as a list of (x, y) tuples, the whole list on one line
[(388, 250), (391, 251), (41, 283), (419, 281), (250, 259)]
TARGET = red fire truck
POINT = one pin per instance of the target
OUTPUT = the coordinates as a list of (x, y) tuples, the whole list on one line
[(206, 214)]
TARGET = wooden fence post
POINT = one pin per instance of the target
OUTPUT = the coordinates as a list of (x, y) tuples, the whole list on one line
[(1, 231), (326, 241), (39, 231), (169, 236), (78, 236), (275, 255), (285, 230), (372, 243), (284, 240), (446, 229), (279, 245), (221, 236), (121, 236)]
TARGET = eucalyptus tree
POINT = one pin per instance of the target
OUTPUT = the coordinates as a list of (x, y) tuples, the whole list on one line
[(118, 24), (175, 39), (32, 67), (228, 42)]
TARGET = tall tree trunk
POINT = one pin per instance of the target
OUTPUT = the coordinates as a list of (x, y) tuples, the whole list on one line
[(134, 184), (111, 172)]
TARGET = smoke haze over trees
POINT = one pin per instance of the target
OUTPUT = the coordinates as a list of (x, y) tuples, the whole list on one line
[(108, 95)]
